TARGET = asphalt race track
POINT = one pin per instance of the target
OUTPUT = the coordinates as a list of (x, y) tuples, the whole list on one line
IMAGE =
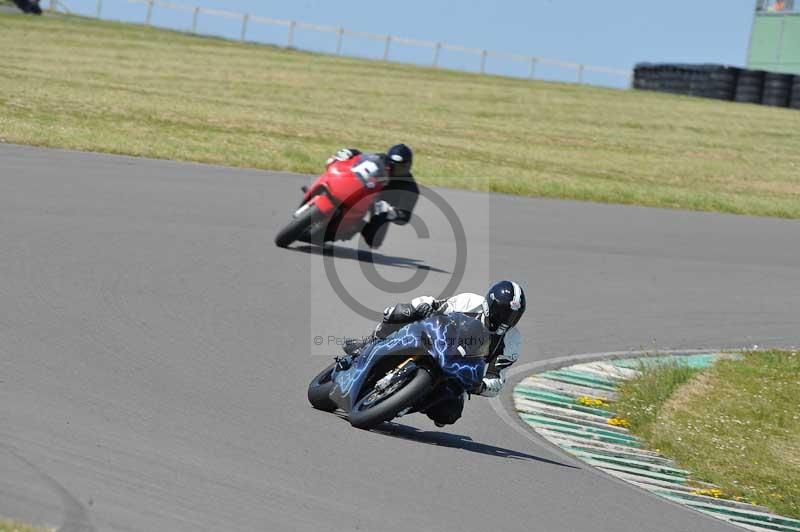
[(155, 349)]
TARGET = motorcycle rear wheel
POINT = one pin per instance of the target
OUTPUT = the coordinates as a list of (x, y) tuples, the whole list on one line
[(294, 229), (367, 414), (319, 391)]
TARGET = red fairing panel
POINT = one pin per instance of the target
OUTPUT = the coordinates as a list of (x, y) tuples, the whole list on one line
[(346, 188)]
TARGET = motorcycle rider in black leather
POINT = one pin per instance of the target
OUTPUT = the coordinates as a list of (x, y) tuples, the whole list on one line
[(499, 312), (396, 200)]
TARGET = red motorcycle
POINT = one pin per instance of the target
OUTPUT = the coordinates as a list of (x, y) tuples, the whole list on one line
[(336, 205)]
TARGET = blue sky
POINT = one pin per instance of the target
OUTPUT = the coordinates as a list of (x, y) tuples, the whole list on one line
[(611, 33)]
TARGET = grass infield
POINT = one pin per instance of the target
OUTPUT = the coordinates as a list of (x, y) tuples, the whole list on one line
[(11, 526), (109, 87), (736, 424)]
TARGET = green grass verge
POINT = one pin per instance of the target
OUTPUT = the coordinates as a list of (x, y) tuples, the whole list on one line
[(736, 424), (640, 399), (11, 526), (102, 86)]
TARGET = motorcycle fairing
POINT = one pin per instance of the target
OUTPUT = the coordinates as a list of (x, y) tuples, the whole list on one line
[(456, 342)]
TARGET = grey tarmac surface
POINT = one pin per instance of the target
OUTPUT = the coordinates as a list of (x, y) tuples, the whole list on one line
[(155, 349)]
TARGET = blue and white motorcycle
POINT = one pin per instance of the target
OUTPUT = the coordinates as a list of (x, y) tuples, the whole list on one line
[(409, 371)]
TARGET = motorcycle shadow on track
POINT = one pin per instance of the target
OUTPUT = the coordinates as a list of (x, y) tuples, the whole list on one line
[(455, 441), (362, 255)]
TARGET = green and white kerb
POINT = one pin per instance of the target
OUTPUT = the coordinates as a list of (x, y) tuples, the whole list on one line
[(570, 407)]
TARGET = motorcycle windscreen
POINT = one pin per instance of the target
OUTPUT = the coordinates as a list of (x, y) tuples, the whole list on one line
[(459, 344)]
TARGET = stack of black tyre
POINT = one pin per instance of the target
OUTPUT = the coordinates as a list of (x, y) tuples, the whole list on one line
[(750, 86), (777, 89), (794, 103), (708, 81), (717, 81), (29, 6), (720, 82)]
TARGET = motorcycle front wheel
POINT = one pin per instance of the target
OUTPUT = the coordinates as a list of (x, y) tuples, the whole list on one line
[(319, 391), (378, 406), (295, 228)]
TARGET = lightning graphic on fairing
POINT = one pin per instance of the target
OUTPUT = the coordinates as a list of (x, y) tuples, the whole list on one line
[(346, 379), (468, 371)]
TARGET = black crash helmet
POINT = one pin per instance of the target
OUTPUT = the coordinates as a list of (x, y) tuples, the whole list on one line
[(504, 306), (400, 158)]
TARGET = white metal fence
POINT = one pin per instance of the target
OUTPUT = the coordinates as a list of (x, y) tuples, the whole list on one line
[(575, 72)]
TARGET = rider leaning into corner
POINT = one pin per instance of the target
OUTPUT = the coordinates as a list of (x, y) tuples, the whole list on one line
[(396, 200), (499, 312)]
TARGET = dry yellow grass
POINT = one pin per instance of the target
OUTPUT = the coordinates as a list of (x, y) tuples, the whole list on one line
[(12, 526), (101, 86)]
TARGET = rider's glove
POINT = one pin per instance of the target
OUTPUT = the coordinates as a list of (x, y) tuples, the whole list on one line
[(345, 154), (489, 387), (383, 207)]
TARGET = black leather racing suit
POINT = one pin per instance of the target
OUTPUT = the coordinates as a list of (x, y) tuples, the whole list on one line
[(503, 349), (401, 192)]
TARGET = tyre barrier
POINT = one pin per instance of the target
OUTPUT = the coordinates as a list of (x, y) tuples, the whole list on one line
[(777, 89), (750, 86), (720, 82), (795, 99), (707, 81)]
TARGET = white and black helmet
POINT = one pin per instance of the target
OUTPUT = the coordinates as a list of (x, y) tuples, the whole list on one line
[(503, 307), (400, 158)]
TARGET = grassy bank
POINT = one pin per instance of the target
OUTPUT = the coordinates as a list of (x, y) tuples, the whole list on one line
[(90, 85), (11, 526), (736, 424)]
